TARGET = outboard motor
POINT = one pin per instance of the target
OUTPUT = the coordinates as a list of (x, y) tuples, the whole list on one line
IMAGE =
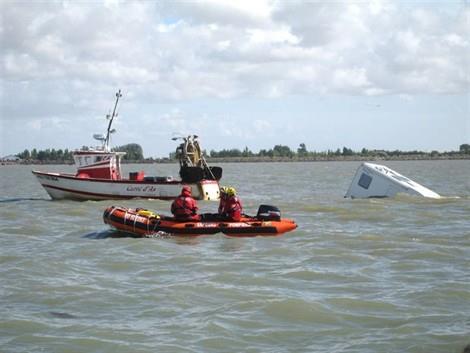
[(268, 213)]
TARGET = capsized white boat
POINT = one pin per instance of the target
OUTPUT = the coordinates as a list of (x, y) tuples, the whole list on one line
[(375, 180), (99, 176)]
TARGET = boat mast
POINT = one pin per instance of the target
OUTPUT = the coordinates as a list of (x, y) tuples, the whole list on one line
[(106, 141)]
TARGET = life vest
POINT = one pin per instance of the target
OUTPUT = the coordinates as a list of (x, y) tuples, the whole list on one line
[(184, 207), (233, 208)]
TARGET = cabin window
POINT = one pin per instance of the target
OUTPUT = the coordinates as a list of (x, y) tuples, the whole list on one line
[(364, 181), (98, 159)]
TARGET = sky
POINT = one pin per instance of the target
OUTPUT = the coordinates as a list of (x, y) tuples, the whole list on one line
[(373, 74)]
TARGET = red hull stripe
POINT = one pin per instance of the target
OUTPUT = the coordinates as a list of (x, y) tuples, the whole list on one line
[(108, 196)]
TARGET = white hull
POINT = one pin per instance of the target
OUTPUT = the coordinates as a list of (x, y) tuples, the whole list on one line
[(375, 180), (67, 186)]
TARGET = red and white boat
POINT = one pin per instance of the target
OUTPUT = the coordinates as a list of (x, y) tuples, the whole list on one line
[(99, 176)]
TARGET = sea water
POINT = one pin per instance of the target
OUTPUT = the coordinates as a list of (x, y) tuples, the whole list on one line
[(373, 275)]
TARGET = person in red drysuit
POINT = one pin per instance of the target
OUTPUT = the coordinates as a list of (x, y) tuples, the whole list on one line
[(184, 207), (230, 207)]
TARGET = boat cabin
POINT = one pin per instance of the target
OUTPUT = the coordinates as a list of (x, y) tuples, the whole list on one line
[(375, 180), (98, 164)]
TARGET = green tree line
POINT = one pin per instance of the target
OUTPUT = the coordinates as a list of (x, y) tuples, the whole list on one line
[(46, 155), (133, 151), (302, 152)]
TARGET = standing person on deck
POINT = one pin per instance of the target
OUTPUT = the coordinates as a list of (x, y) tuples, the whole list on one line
[(230, 207), (185, 208)]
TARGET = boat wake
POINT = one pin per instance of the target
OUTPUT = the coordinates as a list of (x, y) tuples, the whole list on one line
[(160, 234)]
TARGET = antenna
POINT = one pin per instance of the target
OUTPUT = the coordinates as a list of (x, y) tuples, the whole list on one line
[(99, 137), (109, 131)]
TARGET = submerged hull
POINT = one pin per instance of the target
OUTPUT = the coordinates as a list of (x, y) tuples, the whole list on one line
[(67, 186), (146, 223)]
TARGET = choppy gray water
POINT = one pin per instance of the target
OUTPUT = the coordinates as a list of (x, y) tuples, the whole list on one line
[(376, 275)]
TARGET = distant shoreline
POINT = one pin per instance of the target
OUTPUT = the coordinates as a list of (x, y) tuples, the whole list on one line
[(331, 158), (336, 158)]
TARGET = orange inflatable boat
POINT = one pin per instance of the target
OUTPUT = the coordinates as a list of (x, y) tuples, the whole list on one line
[(143, 222)]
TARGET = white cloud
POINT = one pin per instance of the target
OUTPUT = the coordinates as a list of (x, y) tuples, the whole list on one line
[(262, 126), (224, 49), (175, 120), (65, 58), (456, 40), (240, 13)]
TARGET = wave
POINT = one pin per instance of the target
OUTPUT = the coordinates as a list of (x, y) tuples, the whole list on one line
[(21, 199), (109, 234)]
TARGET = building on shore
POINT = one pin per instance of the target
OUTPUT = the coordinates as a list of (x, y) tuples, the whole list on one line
[(10, 158)]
